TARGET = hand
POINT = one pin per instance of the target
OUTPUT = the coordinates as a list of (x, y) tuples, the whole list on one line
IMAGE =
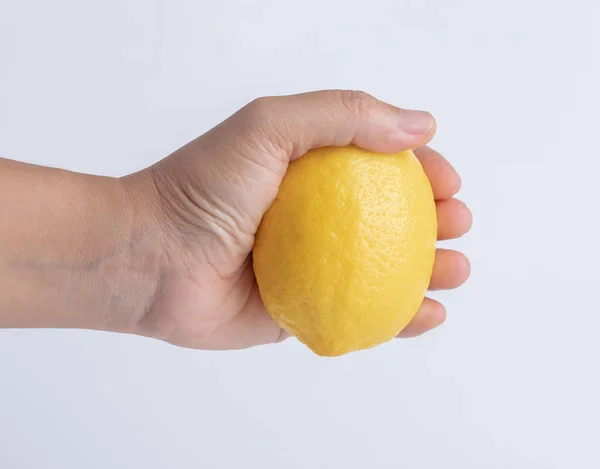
[(201, 206)]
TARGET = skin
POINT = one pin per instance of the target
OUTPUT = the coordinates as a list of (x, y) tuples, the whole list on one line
[(165, 252)]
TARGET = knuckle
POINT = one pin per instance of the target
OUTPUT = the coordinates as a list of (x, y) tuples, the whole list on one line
[(356, 101), (266, 127), (259, 107)]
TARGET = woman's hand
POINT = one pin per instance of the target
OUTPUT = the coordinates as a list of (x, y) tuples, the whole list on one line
[(196, 212)]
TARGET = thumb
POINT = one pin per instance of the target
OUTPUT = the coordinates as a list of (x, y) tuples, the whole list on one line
[(293, 125)]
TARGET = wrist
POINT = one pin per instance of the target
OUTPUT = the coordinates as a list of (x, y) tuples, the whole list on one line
[(143, 260), (115, 266)]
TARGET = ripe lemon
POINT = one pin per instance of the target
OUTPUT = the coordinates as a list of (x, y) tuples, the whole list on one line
[(343, 257)]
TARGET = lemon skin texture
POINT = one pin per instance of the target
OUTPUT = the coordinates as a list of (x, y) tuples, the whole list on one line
[(344, 255)]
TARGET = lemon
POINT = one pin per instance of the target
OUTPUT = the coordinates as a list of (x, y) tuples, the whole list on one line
[(344, 255)]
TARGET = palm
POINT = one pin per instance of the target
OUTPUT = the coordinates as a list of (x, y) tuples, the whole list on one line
[(201, 309)]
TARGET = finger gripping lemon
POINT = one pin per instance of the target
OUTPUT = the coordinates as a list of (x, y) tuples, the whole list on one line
[(344, 255)]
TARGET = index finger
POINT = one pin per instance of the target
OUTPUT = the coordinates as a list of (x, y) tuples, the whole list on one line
[(445, 181)]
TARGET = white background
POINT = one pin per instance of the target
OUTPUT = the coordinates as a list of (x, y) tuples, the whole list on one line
[(510, 381)]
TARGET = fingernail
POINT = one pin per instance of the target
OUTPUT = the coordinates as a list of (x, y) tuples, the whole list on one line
[(415, 122)]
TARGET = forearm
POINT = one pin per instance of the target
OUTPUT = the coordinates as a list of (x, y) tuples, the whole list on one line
[(69, 253)]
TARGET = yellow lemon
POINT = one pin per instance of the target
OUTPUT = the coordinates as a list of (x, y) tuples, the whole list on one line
[(343, 257)]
